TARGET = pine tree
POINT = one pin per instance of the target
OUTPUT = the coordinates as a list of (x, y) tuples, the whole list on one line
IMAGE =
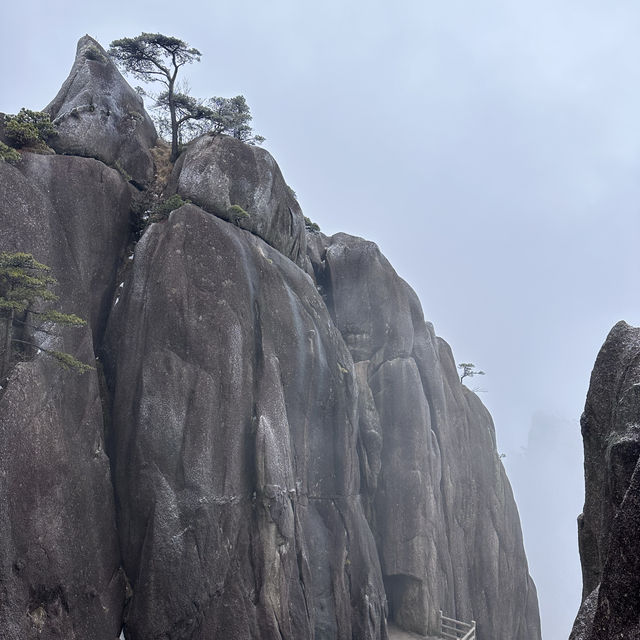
[(154, 57), (24, 282), (469, 370)]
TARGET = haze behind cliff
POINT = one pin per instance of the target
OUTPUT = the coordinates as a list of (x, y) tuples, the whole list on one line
[(490, 151)]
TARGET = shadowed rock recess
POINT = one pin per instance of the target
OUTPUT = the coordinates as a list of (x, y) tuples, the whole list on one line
[(609, 524), (274, 444)]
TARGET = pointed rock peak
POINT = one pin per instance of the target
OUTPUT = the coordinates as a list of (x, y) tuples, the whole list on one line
[(87, 41), (99, 115)]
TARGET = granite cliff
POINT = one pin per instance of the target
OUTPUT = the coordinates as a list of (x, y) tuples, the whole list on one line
[(274, 443), (608, 526)]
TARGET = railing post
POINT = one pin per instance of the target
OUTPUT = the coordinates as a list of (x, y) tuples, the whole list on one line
[(439, 625)]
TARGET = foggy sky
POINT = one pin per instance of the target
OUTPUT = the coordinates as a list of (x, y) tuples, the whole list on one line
[(490, 149)]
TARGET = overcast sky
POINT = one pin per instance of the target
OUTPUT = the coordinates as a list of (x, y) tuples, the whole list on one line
[(490, 148)]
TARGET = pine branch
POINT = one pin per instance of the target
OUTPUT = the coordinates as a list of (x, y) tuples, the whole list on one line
[(65, 360)]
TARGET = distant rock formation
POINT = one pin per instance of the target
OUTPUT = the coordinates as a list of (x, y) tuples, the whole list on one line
[(609, 524), (289, 450)]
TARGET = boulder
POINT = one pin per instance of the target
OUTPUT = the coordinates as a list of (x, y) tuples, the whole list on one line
[(220, 174), (98, 115)]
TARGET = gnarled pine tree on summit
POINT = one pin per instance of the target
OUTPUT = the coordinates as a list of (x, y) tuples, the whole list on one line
[(154, 57)]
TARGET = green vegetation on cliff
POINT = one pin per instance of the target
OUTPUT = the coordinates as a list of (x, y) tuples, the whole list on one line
[(25, 282), (154, 57)]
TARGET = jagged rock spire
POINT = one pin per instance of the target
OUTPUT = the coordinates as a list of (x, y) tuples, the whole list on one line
[(99, 115)]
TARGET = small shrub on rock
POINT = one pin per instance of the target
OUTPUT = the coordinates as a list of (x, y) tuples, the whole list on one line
[(309, 225), (236, 213), (161, 210), (93, 53), (29, 129), (7, 154)]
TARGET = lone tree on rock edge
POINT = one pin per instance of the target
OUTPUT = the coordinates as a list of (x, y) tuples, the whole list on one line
[(468, 370), (154, 57), (23, 283)]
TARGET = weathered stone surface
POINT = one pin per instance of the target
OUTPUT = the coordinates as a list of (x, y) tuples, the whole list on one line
[(237, 476), (219, 172), (98, 115), (444, 517), (292, 452), (611, 444), (584, 621), (609, 524), (73, 215), (59, 556)]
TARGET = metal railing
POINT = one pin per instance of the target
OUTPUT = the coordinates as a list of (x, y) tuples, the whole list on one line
[(453, 629)]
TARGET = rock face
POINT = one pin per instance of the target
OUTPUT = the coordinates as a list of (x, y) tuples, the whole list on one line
[(290, 448), (219, 172), (98, 115), (442, 510), (608, 526), (236, 427), (60, 573)]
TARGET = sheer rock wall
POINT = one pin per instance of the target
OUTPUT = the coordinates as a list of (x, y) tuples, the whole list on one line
[(441, 506), (291, 453), (60, 574)]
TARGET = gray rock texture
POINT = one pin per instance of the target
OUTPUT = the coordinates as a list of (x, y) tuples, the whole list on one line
[(219, 172), (98, 115), (235, 413), (60, 573), (274, 444), (442, 510), (608, 527)]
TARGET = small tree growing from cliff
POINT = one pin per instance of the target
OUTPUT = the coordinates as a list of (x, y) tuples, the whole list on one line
[(24, 282), (154, 57), (469, 370)]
